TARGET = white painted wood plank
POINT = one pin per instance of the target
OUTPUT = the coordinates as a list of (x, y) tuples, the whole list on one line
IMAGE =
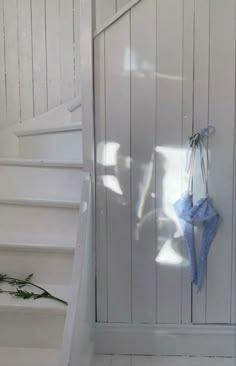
[(102, 360), (233, 286), (201, 97), (67, 49), (78, 67), (143, 361), (117, 60), (233, 277), (189, 361), (86, 40), (24, 356), (222, 108), (121, 361), (104, 10), (3, 106), (39, 57), (180, 361), (121, 3), (25, 59), (169, 361), (53, 53), (166, 340), (188, 55), (168, 157), (143, 120), (12, 61), (118, 14), (101, 201)]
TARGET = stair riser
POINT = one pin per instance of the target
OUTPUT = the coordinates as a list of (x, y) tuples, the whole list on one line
[(34, 224), (31, 329), (40, 182), (29, 356), (48, 268), (58, 145)]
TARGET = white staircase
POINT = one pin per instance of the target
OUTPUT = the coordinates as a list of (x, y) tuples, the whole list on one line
[(39, 207)]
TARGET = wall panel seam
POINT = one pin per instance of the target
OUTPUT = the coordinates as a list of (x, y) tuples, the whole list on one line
[(234, 189), (105, 142), (155, 162), (73, 4), (182, 125), (46, 50), (208, 122), (193, 114), (32, 65), (131, 162), (18, 49), (5, 70)]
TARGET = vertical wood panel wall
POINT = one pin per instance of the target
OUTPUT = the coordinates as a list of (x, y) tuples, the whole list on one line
[(104, 9), (39, 56), (161, 74)]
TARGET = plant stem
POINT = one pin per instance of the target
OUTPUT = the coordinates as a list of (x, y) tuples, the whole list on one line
[(48, 296), (7, 279), (57, 299)]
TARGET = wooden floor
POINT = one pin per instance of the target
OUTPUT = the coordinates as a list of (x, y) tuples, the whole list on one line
[(161, 361)]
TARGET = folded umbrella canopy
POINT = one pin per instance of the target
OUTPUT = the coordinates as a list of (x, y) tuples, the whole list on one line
[(202, 213)]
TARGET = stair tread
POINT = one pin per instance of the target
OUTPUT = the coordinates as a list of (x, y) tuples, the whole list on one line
[(13, 356), (15, 161), (11, 303), (39, 202), (66, 249), (19, 238), (74, 126)]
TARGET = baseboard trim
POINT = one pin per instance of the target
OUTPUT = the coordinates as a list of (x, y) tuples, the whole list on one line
[(166, 340)]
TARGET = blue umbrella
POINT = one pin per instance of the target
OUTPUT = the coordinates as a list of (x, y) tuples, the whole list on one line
[(202, 213)]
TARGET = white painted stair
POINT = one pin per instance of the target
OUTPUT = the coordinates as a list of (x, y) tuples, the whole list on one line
[(44, 179), (37, 357), (38, 221), (39, 208), (63, 142), (33, 323), (51, 264)]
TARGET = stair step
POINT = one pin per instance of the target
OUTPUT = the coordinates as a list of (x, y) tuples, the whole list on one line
[(38, 248), (33, 323), (76, 126), (42, 163), (53, 145), (46, 306), (43, 179), (12, 356), (37, 221), (38, 202), (50, 265)]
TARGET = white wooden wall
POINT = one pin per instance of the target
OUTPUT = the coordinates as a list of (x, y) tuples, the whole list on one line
[(39, 56), (162, 70), (104, 9)]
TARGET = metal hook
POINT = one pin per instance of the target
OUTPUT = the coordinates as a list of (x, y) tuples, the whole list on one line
[(194, 140), (197, 137)]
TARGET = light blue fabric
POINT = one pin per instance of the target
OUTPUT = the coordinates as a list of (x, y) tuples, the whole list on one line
[(202, 213), (210, 228), (183, 208)]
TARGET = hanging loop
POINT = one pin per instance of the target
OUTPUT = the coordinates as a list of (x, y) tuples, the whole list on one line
[(196, 143), (207, 132)]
